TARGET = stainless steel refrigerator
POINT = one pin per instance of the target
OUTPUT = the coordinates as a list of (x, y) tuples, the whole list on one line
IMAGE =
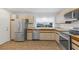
[(20, 26)]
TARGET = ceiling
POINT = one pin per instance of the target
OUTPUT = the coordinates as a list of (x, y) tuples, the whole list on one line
[(34, 10)]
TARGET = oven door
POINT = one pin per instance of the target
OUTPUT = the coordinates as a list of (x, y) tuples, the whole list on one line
[(65, 42)]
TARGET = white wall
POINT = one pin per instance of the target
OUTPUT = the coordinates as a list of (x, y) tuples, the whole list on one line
[(13, 16), (70, 26), (4, 26), (36, 14)]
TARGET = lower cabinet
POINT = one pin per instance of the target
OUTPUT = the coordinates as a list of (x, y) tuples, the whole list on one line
[(47, 36), (75, 44), (57, 37), (29, 36), (75, 47)]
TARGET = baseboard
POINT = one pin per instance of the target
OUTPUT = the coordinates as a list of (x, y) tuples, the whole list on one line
[(12, 39), (4, 42), (39, 40)]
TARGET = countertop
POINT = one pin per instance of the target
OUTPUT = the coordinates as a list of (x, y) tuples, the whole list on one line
[(41, 30), (53, 29), (76, 37), (58, 30)]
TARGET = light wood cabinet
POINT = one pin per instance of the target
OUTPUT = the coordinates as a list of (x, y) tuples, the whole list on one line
[(30, 18), (30, 26), (30, 22), (75, 42), (13, 16), (29, 36), (75, 47), (47, 36), (57, 37), (44, 35)]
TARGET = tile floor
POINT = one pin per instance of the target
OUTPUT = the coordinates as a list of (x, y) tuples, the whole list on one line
[(30, 45)]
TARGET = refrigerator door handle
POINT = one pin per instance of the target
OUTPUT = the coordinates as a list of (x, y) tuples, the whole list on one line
[(18, 26)]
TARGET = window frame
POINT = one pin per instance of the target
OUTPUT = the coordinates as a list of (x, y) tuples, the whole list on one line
[(53, 22)]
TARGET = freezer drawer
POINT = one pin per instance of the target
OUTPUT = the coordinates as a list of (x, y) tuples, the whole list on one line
[(19, 36)]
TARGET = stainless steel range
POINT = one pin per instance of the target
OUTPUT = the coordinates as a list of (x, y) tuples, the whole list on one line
[(65, 41), (75, 31)]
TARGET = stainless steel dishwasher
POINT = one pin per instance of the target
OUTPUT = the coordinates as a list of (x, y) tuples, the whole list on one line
[(36, 35)]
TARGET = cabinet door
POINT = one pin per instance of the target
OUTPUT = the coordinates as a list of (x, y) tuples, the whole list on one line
[(31, 19), (57, 37), (68, 15), (76, 13), (30, 26), (30, 22), (75, 44), (47, 36), (29, 36), (75, 47)]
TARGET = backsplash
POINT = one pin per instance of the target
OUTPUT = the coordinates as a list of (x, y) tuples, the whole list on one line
[(68, 26)]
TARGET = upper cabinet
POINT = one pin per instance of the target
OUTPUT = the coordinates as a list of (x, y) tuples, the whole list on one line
[(69, 15), (30, 22), (72, 14), (13, 16), (64, 15), (30, 18), (76, 13)]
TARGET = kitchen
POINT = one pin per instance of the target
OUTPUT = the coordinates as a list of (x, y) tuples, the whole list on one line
[(44, 24)]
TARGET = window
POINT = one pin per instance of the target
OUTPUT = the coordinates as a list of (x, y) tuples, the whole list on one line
[(44, 22)]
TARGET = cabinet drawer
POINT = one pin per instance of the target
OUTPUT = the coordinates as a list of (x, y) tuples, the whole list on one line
[(57, 37), (75, 47), (76, 42)]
